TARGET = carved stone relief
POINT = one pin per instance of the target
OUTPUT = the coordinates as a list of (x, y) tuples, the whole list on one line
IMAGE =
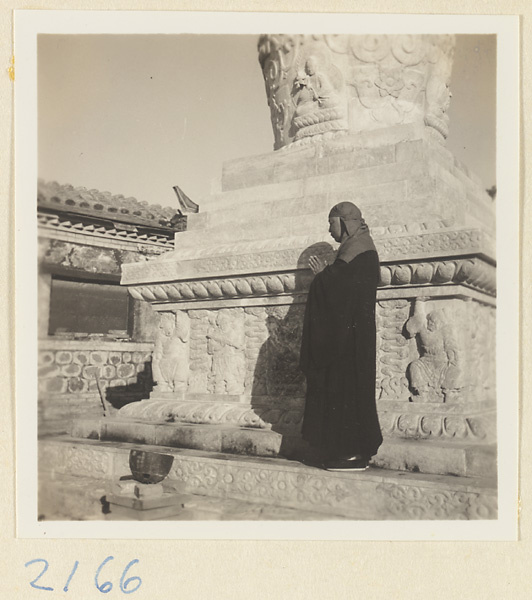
[(226, 344), (200, 360), (474, 273), (319, 97), (256, 336), (171, 352), (412, 502), (316, 83), (437, 374), (285, 324), (481, 351), (393, 352), (474, 427)]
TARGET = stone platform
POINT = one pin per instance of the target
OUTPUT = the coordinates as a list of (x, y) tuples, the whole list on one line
[(264, 486), (442, 457), (211, 438)]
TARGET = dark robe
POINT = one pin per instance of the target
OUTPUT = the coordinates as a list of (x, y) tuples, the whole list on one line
[(338, 358)]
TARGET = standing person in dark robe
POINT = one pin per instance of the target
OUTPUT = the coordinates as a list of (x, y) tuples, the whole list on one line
[(339, 347)]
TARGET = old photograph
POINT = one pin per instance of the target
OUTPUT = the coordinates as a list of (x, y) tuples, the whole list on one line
[(267, 278)]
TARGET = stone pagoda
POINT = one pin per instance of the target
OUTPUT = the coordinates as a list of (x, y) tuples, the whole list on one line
[(357, 118)]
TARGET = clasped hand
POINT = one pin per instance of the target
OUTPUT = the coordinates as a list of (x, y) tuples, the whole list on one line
[(316, 264)]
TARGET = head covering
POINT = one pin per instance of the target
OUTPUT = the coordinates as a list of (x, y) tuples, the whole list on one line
[(358, 239)]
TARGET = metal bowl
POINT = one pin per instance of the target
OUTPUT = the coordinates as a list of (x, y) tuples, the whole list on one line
[(149, 467)]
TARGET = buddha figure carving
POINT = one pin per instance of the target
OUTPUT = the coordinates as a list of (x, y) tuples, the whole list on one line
[(315, 89), (318, 105), (324, 86)]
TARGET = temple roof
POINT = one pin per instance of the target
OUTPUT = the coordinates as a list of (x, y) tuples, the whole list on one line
[(52, 196)]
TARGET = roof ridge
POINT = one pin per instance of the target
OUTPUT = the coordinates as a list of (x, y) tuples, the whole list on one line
[(51, 194)]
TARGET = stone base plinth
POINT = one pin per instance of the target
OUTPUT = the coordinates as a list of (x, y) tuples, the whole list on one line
[(129, 507), (211, 438), (231, 302), (376, 494), (443, 457)]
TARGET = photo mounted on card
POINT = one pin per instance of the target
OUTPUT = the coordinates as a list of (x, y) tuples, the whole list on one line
[(267, 283)]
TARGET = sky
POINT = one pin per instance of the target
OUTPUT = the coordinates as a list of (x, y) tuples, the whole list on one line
[(138, 114)]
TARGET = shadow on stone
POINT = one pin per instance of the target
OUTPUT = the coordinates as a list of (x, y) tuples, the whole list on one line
[(278, 389), (106, 509), (119, 396)]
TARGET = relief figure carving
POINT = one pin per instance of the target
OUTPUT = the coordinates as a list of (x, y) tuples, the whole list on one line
[(436, 375), (171, 352), (315, 89), (316, 94), (393, 79), (226, 344)]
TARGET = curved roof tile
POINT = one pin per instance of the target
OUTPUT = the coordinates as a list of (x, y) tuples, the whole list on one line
[(94, 203)]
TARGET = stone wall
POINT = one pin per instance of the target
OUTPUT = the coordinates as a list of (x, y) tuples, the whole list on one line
[(91, 258), (67, 378)]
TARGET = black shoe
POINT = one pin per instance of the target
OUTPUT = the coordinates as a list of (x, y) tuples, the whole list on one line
[(344, 464)]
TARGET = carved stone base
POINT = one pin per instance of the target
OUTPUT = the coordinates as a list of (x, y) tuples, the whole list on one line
[(238, 280), (129, 507), (443, 457), (473, 422), (212, 438), (374, 494)]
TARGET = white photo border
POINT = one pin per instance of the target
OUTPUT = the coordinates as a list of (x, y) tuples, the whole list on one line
[(28, 25)]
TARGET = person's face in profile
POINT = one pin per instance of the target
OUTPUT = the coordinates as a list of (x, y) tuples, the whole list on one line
[(335, 229)]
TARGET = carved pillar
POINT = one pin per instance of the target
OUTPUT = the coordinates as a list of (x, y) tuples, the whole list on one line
[(320, 86)]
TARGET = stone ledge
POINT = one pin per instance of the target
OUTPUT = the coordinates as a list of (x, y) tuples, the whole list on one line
[(263, 168), (425, 408), (278, 279), (214, 438), (439, 457), (465, 422), (376, 494), (369, 149), (101, 241), (51, 343), (69, 498), (446, 455)]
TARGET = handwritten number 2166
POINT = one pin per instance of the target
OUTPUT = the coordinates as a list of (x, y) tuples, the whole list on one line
[(127, 585)]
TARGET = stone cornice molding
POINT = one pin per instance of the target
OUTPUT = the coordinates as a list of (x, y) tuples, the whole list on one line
[(471, 272), (453, 422), (76, 226), (271, 256)]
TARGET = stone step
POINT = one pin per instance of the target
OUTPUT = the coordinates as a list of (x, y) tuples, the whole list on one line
[(67, 498), (438, 457), (376, 494), (394, 145), (215, 229), (364, 149), (470, 422), (211, 438), (349, 182), (249, 228), (193, 507), (418, 196), (432, 455)]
